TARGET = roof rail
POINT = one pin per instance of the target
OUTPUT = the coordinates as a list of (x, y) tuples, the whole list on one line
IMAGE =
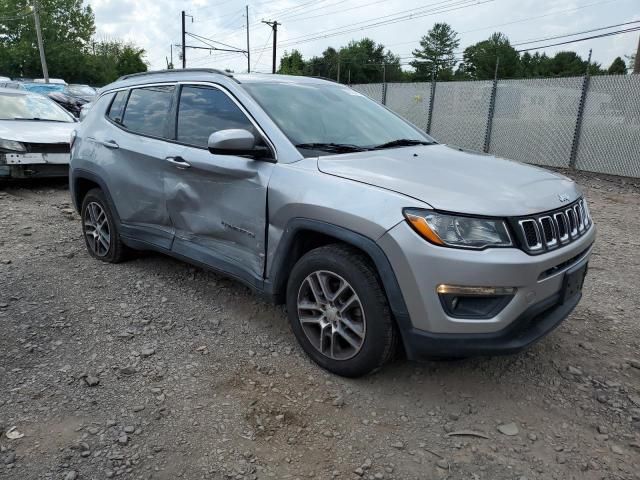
[(153, 72)]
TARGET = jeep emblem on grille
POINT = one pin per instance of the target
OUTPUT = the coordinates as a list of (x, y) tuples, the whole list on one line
[(563, 198)]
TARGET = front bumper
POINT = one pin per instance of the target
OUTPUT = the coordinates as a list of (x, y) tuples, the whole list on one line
[(533, 311), (533, 324)]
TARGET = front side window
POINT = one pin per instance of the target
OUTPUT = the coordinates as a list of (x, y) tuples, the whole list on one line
[(148, 109), (206, 110)]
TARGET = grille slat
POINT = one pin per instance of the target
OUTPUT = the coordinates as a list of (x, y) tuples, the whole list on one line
[(552, 230)]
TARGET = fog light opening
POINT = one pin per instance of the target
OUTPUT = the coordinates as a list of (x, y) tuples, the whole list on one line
[(474, 302)]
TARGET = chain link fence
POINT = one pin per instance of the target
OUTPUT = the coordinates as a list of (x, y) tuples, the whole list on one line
[(591, 124)]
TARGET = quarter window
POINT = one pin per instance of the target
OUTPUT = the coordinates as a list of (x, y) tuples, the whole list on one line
[(203, 111), (115, 111), (148, 109)]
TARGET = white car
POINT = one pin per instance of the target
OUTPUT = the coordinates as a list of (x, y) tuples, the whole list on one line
[(34, 135), (57, 81)]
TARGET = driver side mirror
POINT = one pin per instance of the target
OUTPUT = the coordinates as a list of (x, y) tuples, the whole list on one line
[(236, 141)]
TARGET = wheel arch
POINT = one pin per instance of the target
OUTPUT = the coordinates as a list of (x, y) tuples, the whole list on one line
[(82, 181), (302, 235)]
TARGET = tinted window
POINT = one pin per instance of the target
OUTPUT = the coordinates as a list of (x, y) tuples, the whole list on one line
[(203, 111), (148, 109), (115, 112)]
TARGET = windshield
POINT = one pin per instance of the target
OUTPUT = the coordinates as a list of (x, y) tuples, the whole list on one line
[(43, 88), (323, 117), (16, 106), (81, 90)]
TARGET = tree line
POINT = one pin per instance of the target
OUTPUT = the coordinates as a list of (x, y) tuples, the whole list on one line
[(437, 56), (72, 52)]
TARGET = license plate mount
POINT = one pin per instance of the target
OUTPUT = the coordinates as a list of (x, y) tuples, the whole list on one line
[(574, 281)]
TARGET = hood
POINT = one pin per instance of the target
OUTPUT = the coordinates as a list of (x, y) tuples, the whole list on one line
[(28, 131), (456, 181)]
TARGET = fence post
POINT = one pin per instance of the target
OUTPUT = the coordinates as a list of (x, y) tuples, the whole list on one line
[(492, 108), (384, 93), (578, 130), (432, 98)]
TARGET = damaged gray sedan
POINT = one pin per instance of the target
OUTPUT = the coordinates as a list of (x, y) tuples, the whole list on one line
[(34, 136)]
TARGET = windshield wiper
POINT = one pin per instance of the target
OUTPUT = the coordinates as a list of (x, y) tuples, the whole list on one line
[(402, 142), (38, 119), (332, 147)]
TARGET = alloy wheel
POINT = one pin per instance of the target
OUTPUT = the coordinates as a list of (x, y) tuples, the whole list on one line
[(96, 229), (331, 315)]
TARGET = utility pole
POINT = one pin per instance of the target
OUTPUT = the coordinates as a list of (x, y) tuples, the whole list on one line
[(171, 46), (589, 61), (43, 60), (248, 49), (274, 26), (636, 65), (338, 68), (184, 43)]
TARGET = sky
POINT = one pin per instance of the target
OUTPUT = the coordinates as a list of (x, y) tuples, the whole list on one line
[(312, 26)]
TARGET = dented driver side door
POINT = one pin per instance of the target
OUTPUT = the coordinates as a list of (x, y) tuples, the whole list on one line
[(217, 203)]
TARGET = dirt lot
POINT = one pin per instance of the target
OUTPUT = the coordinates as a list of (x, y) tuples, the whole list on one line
[(155, 369)]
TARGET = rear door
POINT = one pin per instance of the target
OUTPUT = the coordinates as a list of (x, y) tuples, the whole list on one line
[(137, 144), (217, 203)]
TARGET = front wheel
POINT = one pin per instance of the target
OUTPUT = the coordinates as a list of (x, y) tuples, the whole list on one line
[(99, 229), (339, 312)]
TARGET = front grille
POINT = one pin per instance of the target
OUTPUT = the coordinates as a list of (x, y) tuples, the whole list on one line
[(48, 147), (551, 230)]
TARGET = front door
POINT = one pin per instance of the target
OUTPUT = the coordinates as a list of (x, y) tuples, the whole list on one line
[(217, 203)]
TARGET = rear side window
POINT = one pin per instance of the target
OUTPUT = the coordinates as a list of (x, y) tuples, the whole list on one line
[(115, 111), (205, 110), (148, 109)]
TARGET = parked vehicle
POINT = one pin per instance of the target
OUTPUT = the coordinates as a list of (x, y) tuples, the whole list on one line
[(58, 93), (52, 81), (316, 196), (4, 79), (34, 135), (11, 84), (82, 92)]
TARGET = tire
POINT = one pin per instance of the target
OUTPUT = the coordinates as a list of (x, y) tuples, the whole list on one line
[(352, 343), (95, 205)]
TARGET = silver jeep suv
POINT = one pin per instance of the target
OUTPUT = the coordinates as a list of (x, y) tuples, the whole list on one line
[(375, 236)]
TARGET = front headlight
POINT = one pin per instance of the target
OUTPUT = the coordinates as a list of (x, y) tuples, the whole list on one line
[(11, 146), (458, 231)]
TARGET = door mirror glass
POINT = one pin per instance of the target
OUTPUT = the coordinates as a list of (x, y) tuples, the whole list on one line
[(236, 141)]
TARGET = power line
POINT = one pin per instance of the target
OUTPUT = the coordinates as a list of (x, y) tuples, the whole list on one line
[(522, 20), (263, 50), (618, 32), (573, 34), (443, 9)]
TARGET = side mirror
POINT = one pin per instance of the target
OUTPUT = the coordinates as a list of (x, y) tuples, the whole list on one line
[(236, 142)]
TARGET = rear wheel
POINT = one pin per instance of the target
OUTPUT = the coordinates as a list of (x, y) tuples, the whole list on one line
[(99, 229), (339, 312)]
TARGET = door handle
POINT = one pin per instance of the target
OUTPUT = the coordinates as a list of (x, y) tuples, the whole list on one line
[(110, 144), (179, 162)]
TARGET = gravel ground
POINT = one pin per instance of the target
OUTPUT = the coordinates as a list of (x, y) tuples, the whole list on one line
[(155, 369)]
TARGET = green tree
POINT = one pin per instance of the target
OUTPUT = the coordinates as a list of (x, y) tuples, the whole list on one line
[(68, 27), (292, 63), (617, 67), (436, 53), (362, 61), (368, 62), (535, 65), (480, 59)]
